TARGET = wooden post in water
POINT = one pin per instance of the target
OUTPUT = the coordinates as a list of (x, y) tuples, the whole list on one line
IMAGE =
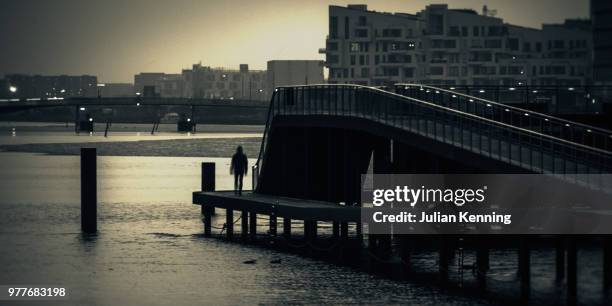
[(482, 261), (335, 229), (607, 263), (287, 228), (572, 270), (560, 259), (244, 221), (253, 225), (524, 262), (208, 184), (88, 191), (272, 223), (229, 223)]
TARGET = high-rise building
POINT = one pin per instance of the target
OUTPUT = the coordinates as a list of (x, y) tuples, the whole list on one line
[(601, 16), (454, 47)]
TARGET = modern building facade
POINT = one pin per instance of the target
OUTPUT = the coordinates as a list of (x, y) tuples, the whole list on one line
[(294, 72), (42, 86), (221, 83), (116, 90), (601, 16), (453, 47)]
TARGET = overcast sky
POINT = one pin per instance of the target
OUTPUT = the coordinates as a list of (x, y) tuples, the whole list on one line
[(114, 39)]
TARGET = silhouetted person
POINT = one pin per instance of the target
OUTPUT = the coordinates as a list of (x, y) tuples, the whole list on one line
[(239, 169)]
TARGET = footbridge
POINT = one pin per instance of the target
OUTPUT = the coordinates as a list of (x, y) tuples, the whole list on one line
[(320, 138)]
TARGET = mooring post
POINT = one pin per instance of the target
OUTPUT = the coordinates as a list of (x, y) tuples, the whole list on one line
[(244, 222), (89, 191), (287, 228), (524, 262), (253, 225), (572, 270), (229, 223), (607, 263), (560, 259), (208, 184)]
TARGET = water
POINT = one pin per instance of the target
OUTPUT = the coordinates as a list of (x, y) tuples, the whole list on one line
[(150, 250)]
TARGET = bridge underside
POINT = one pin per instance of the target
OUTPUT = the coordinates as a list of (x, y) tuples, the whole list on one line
[(322, 157)]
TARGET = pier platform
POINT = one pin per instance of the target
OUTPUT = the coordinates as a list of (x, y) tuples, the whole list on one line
[(285, 207)]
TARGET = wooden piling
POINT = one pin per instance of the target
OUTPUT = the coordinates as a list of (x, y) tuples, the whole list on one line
[(287, 228), (524, 262), (344, 230), (208, 183), (253, 225), (444, 250), (88, 191), (560, 259), (272, 224), (572, 270), (244, 224), (607, 263), (482, 262), (229, 223), (335, 229)]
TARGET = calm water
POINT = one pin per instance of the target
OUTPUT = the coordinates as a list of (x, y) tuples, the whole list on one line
[(150, 250)]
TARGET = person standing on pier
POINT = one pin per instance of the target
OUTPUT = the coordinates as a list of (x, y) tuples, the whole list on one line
[(239, 168)]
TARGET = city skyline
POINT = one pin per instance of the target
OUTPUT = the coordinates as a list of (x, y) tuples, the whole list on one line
[(116, 40)]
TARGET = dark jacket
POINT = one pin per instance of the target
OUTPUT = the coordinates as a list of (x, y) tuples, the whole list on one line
[(240, 164)]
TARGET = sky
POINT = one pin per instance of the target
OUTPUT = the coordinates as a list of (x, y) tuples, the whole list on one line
[(115, 39)]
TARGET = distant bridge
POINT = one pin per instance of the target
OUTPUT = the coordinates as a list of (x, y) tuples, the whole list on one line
[(12, 105)]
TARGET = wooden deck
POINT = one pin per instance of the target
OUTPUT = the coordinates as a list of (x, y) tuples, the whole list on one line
[(283, 207)]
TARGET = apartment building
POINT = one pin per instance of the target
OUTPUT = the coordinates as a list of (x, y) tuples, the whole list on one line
[(221, 83), (439, 45)]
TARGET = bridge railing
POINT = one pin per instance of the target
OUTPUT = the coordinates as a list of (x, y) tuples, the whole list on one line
[(504, 113), (531, 150)]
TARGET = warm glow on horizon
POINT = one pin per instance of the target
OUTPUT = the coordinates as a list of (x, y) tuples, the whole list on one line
[(117, 39)]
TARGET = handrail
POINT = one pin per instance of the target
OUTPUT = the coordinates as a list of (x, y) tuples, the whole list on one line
[(604, 134), (378, 104)]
